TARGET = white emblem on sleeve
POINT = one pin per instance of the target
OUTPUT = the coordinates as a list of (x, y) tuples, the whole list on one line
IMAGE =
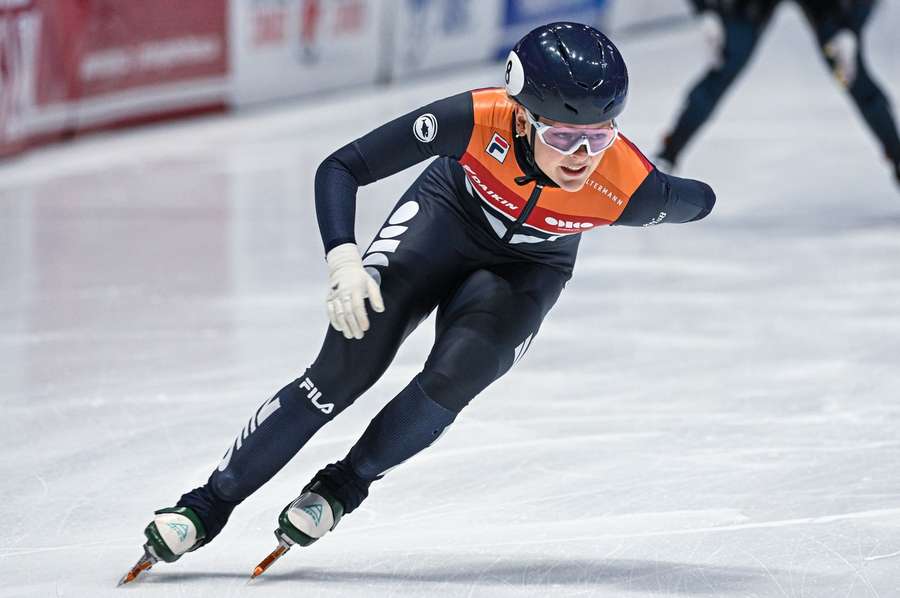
[(425, 128)]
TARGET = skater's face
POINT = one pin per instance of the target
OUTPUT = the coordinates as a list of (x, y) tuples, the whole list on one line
[(571, 171)]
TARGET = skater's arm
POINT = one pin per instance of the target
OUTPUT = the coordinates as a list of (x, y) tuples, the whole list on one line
[(665, 198), (700, 5), (442, 128)]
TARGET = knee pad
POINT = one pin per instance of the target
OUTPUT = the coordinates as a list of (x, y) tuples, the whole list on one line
[(465, 361), (442, 390), (226, 485)]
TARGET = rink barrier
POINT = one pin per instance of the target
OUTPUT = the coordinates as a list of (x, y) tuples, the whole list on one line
[(72, 68)]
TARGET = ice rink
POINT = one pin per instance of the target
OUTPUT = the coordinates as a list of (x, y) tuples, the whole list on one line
[(710, 410)]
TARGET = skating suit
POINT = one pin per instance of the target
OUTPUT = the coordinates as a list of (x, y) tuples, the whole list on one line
[(482, 237)]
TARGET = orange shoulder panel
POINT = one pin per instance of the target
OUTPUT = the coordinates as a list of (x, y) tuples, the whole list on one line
[(624, 165), (493, 108), (493, 112), (608, 189), (489, 159)]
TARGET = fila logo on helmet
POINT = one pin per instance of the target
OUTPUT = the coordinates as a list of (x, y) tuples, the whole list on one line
[(425, 128), (498, 148)]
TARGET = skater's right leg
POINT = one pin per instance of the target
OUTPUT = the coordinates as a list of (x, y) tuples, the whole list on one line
[(482, 329), (421, 264), (275, 432)]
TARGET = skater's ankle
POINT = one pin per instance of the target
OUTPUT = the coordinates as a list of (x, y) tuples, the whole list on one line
[(342, 483), (212, 510)]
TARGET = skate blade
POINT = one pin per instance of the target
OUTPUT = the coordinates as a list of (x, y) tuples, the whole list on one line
[(267, 562), (143, 564)]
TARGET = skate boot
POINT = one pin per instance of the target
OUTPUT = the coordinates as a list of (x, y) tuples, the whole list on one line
[(303, 521), (173, 532)]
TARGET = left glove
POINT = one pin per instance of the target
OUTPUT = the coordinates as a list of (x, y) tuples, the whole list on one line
[(713, 31), (349, 286), (841, 52)]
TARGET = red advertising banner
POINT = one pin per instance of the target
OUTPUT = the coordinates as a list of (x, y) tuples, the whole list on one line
[(20, 38), (135, 44), (72, 65)]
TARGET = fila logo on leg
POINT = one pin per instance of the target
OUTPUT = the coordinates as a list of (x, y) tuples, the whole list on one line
[(498, 148), (314, 395)]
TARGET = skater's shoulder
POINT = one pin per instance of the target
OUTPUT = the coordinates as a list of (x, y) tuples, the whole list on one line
[(490, 95), (625, 164), (492, 106)]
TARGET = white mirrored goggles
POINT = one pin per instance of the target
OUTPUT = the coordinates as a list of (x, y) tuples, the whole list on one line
[(567, 140)]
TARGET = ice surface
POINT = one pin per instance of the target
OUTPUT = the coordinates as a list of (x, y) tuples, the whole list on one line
[(710, 410)]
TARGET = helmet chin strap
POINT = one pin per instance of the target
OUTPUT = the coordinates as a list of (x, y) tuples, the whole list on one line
[(533, 172)]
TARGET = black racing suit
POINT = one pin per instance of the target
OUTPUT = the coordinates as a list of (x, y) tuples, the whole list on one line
[(438, 251)]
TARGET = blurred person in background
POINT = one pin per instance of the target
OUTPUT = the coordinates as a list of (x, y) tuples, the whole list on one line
[(732, 29), (487, 235)]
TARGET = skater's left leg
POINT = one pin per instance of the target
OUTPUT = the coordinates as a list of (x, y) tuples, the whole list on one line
[(482, 330), (841, 43), (742, 34)]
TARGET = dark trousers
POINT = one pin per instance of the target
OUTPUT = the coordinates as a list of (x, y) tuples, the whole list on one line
[(742, 33)]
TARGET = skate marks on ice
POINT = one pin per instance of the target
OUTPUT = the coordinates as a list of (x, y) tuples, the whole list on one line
[(490, 575)]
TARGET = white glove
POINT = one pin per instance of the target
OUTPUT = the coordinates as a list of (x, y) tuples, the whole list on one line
[(841, 49), (350, 284), (713, 31)]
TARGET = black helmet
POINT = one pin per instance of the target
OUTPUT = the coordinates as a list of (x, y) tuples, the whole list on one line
[(568, 72)]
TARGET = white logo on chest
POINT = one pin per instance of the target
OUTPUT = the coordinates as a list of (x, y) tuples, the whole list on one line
[(605, 191), (485, 192), (567, 223)]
